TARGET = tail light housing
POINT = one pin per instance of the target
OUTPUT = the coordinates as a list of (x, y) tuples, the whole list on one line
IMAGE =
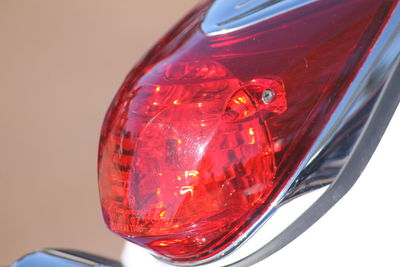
[(207, 130)]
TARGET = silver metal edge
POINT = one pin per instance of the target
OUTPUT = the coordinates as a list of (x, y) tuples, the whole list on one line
[(225, 17), (374, 84), (63, 257)]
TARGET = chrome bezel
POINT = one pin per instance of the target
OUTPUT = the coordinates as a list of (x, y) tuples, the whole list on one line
[(360, 120)]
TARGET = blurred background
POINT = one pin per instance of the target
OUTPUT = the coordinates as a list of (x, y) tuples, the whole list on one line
[(61, 63)]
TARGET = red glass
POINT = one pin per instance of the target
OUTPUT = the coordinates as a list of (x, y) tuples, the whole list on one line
[(191, 155)]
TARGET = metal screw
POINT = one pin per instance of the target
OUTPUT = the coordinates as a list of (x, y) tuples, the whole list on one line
[(267, 96)]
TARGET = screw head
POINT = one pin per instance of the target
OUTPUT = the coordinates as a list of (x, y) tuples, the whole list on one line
[(267, 96)]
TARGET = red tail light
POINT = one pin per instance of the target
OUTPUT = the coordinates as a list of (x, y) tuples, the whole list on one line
[(207, 130)]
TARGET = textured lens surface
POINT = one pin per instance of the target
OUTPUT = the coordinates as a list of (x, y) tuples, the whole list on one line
[(191, 155)]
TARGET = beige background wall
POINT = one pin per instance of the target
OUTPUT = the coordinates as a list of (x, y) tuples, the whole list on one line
[(60, 64)]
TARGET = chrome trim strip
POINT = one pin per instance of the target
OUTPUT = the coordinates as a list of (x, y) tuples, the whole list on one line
[(60, 257), (360, 119), (228, 16)]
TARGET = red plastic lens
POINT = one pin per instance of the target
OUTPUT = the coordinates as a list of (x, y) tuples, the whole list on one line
[(206, 131)]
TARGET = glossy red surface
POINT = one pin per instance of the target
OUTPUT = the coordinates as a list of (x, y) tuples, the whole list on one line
[(191, 156)]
